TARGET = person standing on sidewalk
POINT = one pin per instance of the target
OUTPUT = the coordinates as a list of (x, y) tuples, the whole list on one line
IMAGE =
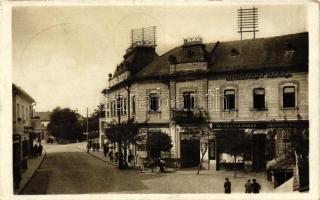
[(255, 186), (248, 186), (16, 176), (227, 186)]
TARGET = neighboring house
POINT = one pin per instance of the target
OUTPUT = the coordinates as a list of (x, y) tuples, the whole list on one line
[(41, 121), (256, 86), (23, 132)]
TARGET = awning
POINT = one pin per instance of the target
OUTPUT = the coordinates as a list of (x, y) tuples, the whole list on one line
[(281, 163)]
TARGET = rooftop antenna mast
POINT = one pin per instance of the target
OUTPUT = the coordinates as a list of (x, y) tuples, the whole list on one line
[(248, 21), (144, 37)]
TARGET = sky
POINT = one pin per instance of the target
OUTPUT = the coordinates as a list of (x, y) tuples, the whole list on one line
[(62, 55)]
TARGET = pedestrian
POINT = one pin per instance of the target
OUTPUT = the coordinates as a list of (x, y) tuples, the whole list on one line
[(248, 186), (130, 159), (116, 156), (98, 146), (105, 152), (269, 175), (16, 176), (24, 164), (227, 186), (111, 155), (40, 149), (35, 150), (255, 186)]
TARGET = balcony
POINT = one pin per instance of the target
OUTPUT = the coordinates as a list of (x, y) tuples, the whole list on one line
[(183, 117)]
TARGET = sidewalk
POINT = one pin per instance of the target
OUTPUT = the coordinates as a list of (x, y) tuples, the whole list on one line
[(97, 154), (33, 165)]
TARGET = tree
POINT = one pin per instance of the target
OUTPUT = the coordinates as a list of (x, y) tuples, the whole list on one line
[(233, 143), (123, 133), (199, 129), (157, 142), (64, 124), (299, 140), (93, 121)]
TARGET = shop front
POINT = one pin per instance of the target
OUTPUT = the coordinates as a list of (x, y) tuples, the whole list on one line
[(261, 141)]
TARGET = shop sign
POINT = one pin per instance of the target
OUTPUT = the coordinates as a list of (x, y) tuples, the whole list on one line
[(258, 75), (260, 125)]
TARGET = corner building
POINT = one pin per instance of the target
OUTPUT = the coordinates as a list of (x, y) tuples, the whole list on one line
[(257, 86)]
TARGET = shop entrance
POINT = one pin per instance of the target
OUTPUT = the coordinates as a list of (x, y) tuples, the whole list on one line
[(189, 153), (258, 151)]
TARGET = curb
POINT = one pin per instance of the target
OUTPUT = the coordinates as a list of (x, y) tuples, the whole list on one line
[(34, 172), (110, 163)]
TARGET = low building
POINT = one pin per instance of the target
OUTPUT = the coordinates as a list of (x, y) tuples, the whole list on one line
[(23, 131), (40, 122)]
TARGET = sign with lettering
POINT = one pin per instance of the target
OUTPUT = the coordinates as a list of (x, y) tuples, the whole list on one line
[(261, 125), (258, 75)]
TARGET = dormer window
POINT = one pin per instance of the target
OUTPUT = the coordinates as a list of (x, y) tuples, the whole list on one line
[(190, 54), (234, 52)]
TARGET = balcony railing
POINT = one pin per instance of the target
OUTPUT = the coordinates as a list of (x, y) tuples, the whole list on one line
[(187, 117)]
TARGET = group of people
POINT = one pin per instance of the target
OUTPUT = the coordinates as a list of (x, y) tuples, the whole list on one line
[(36, 150), (94, 145), (250, 187), (115, 156)]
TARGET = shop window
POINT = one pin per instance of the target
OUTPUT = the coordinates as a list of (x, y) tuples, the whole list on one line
[(289, 97), (259, 98), (229, 100), (188, 100), (154, 102)]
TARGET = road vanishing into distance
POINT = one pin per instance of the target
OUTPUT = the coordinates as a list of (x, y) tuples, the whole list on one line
[(69, 169)]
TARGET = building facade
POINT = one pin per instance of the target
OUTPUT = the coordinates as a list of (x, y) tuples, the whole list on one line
[(23, 131), (258, 87)]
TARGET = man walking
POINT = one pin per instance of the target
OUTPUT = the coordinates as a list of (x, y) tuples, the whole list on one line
[(255, 186), (227, 186), (248, 186)]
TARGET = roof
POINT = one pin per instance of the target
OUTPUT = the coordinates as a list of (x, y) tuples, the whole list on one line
[(240, 55), (135, 59), (18, 90), (44, 116)]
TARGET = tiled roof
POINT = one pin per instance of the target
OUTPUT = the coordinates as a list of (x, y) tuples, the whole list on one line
[(135, 60), (261, 53), (18, 90), (44, 116)]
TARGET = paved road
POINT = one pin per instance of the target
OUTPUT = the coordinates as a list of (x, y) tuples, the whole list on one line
[(68, 170)]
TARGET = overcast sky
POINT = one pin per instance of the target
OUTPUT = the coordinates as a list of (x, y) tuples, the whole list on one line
[(62, 55)]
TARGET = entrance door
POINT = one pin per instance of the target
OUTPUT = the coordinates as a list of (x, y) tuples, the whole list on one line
[(190, 153), (259, 149)]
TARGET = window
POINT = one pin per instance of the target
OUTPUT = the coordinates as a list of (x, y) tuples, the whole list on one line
[(289, 97), (22, 108), (133, 105), (259, 98), (30, 112), (229, 100), (18, 111), (107, 110), (188, 100), (27, 114), (154, 102)]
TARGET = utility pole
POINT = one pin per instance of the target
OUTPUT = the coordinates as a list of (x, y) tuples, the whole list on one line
[(87, 131)]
